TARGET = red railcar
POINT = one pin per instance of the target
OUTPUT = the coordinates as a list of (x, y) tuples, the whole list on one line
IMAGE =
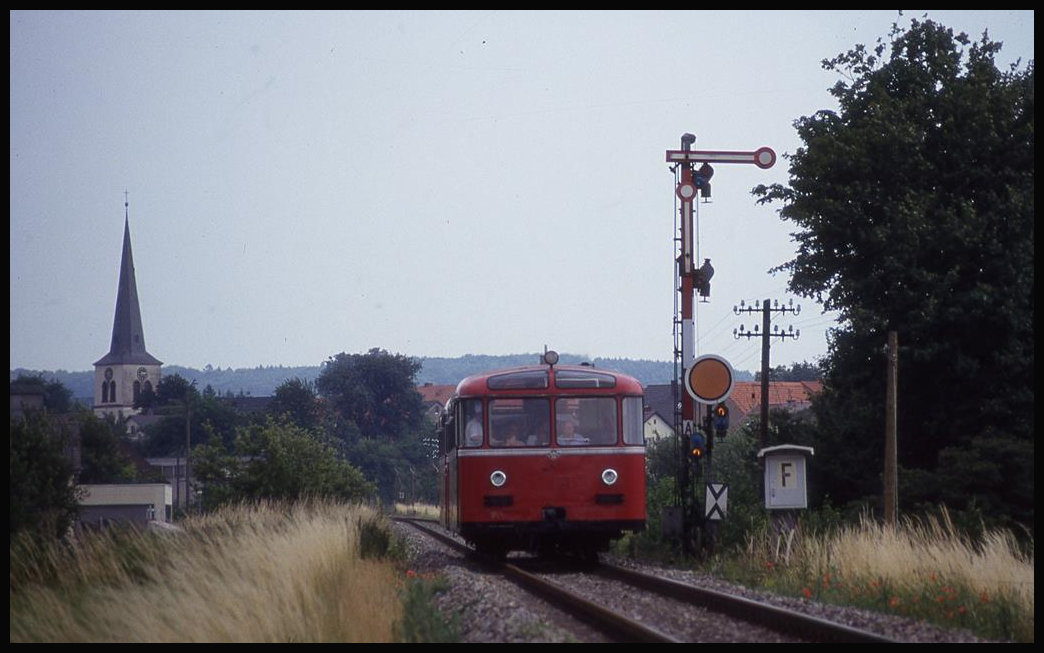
[(544, 458)]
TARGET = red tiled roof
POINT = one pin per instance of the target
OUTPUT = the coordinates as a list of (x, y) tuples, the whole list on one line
[(745, 398), (431, 393), (746, 395)]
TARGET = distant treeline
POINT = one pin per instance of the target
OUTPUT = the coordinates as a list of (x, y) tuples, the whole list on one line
[(261, 381)]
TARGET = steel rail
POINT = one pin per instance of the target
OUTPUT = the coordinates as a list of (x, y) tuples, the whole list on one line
[(770, 616), (617, 626), (781, 620)]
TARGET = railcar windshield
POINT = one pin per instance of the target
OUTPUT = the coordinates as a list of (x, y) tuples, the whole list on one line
[(519, 422), (585, 420)]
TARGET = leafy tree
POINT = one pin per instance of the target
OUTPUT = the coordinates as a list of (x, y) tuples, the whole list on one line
[(43, 498), (56, 397), (803, 371), (374, 391), (914, 203), (400, 468), (376, 413), (216, 470), (101, 460), (277, 460), (663, 462), (296, 397), (736, 462), (209, 415), (174, 389)]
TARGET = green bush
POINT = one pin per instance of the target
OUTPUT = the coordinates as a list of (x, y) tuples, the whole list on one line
[(421, 621)]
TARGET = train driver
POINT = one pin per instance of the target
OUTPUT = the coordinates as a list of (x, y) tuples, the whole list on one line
[(568, 435)]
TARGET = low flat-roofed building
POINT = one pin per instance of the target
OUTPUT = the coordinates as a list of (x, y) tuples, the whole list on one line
[(133, 503)]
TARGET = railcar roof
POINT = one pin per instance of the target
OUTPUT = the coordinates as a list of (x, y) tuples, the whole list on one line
[(476, 384)]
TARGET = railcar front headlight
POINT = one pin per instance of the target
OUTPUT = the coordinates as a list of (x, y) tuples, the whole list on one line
[(498, 478), (609, 476)]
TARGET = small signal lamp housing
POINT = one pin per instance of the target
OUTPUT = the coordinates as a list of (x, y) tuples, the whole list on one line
[(550, 357)]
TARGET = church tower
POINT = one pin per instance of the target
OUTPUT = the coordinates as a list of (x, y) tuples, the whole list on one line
[(127, 370)]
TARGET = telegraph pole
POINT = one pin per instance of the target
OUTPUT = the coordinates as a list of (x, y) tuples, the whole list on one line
[(188, 452), (891, 502), (766, 334), (766, 308)]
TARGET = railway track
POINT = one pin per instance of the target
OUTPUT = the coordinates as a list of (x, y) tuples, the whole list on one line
[(682, 612)]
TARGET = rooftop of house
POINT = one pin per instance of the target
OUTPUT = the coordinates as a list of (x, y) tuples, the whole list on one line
[(744, 399), (795, 395), (436, 394)]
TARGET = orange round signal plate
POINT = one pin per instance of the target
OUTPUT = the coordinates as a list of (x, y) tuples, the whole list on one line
[(709, 379)]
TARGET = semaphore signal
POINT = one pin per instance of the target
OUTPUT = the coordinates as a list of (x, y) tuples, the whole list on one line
[(693, 172)]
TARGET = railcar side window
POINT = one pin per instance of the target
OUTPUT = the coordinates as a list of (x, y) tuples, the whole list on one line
[(633, 431), (519, 422), (585, 420), (470, 427), (447, 431)]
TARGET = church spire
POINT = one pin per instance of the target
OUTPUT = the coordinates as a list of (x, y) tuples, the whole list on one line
[(128, 337)]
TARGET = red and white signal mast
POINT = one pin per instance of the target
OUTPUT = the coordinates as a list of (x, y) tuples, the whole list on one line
[(707, 380), (697, 181)]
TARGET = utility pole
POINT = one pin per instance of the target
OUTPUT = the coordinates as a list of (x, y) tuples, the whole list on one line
[(766, 308), (188, 451), (766, 318), (890, 464)]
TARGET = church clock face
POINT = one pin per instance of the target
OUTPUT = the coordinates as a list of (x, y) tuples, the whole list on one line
[(142, 374), (108, 374)]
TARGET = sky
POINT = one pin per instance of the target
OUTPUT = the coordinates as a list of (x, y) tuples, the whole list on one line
[(302, 184)]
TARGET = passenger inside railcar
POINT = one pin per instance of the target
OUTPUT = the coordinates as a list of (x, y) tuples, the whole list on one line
[(473, 430), (508, 435), (568, 434)]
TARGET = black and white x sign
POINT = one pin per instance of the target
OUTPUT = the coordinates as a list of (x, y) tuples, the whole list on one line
[(717, 500)]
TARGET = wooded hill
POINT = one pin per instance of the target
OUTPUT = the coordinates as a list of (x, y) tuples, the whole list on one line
[(261, 381)]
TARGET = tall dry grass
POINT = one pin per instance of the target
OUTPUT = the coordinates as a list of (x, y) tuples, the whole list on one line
[(918, 551), (423, 510), (261, 573), (925, 569)]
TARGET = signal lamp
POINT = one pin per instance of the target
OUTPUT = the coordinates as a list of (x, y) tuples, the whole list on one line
[(721, 419), (696, 445)]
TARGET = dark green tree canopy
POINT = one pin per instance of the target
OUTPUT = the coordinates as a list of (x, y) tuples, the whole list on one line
[(914, 207), (42, 494), (276, 460), (920, 189), (175, 389), (57, 398), (101, 458), (375, 391), (296, 397)]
